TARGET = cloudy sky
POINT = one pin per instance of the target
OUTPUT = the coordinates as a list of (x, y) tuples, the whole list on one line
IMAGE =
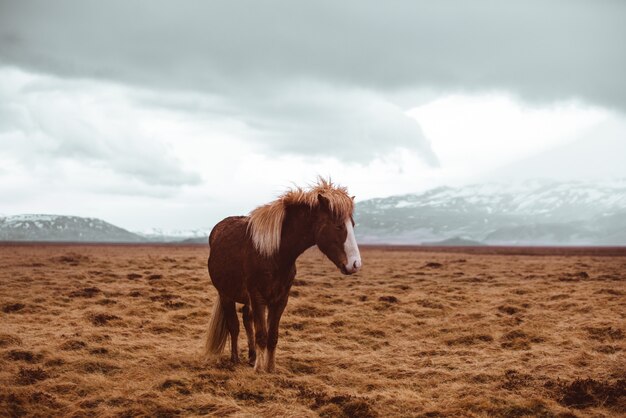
[(176, 114)]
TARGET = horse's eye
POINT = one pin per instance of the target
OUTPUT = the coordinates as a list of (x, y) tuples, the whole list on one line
[(339, 227)]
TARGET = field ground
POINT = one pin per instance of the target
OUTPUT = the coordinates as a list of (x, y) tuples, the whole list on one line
[(116, 331)]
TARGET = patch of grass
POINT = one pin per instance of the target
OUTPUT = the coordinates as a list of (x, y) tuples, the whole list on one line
[(23, 355), (7, 340), (87, 292), (73, 345), (509, 310), (29, 376), (102, 319), (605, 333), (470, 339), (99, 367), (388, 299), (311, 311), (585, 393), (12, 307)]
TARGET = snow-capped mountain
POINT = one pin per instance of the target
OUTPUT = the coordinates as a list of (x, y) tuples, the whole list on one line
[(36, 227), (62, 228), (526, 213)]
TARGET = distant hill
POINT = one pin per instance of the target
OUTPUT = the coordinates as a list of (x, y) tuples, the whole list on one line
[(62, 228), (526, 213), (196, 240)]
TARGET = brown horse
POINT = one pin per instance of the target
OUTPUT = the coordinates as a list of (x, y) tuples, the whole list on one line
[(253, 262)]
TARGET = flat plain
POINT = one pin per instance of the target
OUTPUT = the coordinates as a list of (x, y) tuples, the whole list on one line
[(106, 330)]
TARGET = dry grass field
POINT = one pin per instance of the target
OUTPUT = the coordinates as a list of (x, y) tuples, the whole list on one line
[(116, 331)]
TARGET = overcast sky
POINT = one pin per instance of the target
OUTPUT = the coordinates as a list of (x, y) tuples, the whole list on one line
[(176, 114)]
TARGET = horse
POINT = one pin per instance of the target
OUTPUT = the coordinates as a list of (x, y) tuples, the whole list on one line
[(252, 261)]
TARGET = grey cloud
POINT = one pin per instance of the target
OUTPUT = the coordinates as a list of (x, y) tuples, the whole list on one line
[(308, 118), (249, 53), (548, 50), (350, 125)]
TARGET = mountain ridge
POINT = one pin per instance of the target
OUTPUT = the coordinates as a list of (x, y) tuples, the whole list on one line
[(536, 212), (62, 228)]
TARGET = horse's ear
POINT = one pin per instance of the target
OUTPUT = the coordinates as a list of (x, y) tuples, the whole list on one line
[(353, 198), (324, 202)]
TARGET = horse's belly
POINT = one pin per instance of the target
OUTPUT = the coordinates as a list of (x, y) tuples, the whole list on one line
[(227, 279)]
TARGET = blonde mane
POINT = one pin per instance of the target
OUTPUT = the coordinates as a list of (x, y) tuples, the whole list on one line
[(266, 221)]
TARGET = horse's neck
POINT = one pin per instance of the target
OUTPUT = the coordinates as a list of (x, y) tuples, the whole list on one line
[(297, 234)]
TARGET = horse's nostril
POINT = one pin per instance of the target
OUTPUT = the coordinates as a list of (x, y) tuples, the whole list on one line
[(354, 265)]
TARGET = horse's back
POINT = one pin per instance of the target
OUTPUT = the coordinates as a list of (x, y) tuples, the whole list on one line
[(228, 242)]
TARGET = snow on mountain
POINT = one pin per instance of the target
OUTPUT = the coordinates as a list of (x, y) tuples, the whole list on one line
[(35, 227), (536, 212)]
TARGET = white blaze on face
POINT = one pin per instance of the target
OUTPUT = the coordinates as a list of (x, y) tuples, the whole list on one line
[(352, 250)]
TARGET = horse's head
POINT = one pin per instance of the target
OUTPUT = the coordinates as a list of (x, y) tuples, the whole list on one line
[(335, 238)]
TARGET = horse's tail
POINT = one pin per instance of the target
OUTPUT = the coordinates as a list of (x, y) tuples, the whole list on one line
[(218, 332)]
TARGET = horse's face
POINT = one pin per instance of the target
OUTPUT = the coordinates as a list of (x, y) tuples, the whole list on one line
[(335, 238)]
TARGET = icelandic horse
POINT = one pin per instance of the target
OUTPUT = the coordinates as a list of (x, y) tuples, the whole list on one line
[(252, 261)]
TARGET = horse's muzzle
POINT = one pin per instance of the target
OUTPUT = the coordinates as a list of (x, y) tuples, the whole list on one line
[(351, 269)]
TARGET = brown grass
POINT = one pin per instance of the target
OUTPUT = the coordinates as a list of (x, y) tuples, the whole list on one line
[(117, 331)]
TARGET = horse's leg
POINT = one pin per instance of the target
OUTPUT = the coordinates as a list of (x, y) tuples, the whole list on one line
[(232, 322), (260, 332), (247, 323), (273, 320)]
